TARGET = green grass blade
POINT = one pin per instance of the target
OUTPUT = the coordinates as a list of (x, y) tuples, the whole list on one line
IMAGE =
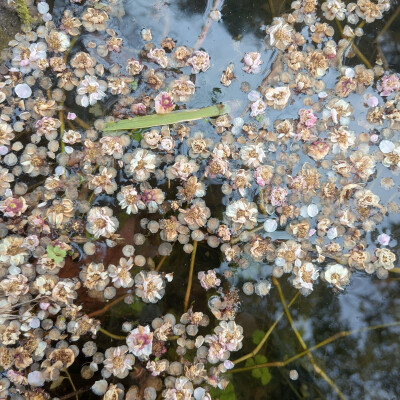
[(173, 117)]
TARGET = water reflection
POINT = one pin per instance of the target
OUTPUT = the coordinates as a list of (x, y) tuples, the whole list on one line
[(363, 365)]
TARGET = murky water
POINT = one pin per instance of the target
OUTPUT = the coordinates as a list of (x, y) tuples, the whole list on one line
[(364, 365)]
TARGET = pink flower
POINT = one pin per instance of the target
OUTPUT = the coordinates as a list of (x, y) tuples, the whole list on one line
[(13, 206), (140, 342), (278, 196), (138, 109), (164, 103), (307, 118), (384, 239), (252, 61), (372, 101), (257, 108), (389, 84), (374, 138), (71, 116)]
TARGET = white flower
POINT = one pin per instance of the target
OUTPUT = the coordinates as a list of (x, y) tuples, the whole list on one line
[(337, 275), (90, 91), (150, 286), (277, 98), (252, 155), (242, 212), (280, 34), (142, 164), (305, 276), (101, 222)]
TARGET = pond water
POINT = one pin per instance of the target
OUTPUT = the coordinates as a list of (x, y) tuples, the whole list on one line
[(363, 365)]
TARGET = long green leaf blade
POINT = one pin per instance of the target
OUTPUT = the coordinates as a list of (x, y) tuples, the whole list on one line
[(173, 117)]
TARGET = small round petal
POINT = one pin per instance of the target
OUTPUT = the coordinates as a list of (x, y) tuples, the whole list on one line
[(23, 91)]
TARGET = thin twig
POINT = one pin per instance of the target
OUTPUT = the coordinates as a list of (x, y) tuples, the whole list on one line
[(316, 367), (254, 230), (62, 126), (389, 22), (161, 262), (112, 335), (71, 46), (354, 46), (75, 393), (106, 307), (271, 7), (325, 342), (266, 336), (71, 382), (217, 5), (190, 279)]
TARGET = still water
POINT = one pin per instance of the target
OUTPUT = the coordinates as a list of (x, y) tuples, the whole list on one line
[(364, 365)]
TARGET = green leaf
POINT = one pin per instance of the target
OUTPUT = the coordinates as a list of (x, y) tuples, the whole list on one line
[(133, 85), (56, 253), (227, 394), (260, 359), (256, 373), (257, 336), (249, 362), (266, 377), (173, 117), (259, 373), (137, 136)]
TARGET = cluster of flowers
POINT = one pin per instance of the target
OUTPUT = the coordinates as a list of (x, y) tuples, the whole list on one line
[(306, 177)]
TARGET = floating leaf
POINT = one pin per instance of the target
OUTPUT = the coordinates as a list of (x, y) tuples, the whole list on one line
[(134, 85), (257, 336), (56, 253), (227, 394), (259, 373), (137, 136), (173, 117)]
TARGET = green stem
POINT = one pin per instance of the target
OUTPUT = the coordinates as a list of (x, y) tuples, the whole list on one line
[(316, 367), (62, 127), (266, 336), (71, 382), (111, 335), (161, 262), (190, 279), (317, 346), (106, 307)]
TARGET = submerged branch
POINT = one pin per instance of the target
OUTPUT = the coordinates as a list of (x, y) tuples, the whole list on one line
[(112, 335), (217, 5), (325, 342), (71, 382), (266, 336), (106, 307), (388, 23), (161, 262), (316, 367), (354, 46), (190, 279)]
